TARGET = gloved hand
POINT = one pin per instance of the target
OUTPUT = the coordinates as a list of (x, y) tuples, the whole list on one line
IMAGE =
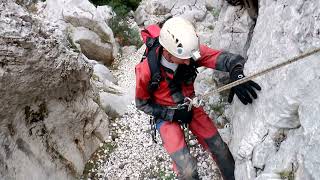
[(243, 91), (183, 115)]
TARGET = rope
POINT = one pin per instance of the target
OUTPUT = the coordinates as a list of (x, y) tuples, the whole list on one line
[(197, 102)]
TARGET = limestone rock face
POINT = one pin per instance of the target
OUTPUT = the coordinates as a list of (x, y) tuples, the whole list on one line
[(86, 25), (54, 100), (50, 117), (279, 133)]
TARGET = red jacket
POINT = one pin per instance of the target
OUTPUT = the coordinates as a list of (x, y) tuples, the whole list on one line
[(156, 103)]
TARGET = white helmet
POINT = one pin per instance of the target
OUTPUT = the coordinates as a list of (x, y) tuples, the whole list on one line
[(178, 36)]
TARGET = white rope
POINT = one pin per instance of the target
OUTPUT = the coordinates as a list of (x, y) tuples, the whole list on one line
[(198, 100)]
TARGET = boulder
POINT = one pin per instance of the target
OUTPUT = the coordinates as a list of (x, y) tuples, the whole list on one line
[(87, 26), (90, 44)]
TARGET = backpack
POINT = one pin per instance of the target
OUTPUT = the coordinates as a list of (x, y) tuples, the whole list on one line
[(153, 52)]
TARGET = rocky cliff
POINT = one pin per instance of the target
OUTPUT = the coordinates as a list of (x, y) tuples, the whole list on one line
[(50, 115), (56, 103), (278, 135)]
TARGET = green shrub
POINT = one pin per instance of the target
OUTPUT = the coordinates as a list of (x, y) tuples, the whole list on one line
[(289, 175), (215, 13), (120, 7), (119, 24), (124, 34)]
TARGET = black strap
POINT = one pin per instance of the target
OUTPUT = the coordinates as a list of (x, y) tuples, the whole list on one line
[(153, 129), (154, 65), (154, 62)]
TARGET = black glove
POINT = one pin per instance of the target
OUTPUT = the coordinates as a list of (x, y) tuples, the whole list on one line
[(182, 115), (244, 90)]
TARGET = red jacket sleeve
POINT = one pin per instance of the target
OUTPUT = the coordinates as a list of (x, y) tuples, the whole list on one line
[(208, 57), (142, 80), (219, 60)]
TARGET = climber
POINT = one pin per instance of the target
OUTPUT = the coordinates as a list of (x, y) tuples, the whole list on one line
[(178, 54)]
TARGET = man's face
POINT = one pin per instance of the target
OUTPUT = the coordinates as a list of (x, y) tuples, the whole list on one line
[(174, 59)]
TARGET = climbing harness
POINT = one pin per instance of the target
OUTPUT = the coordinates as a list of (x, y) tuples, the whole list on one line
[(185, 127)]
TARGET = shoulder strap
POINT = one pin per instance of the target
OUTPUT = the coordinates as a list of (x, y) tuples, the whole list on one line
[(153, 54)]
